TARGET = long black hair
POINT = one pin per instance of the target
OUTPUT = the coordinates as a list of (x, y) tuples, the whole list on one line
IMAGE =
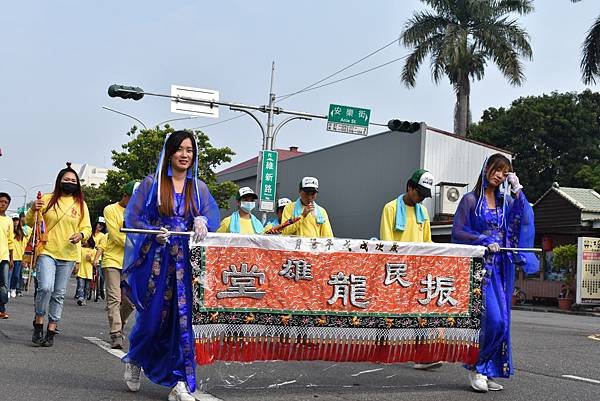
[(495, 162)]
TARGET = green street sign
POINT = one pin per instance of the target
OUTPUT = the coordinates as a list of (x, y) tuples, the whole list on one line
[(268, 180), (347, 119)]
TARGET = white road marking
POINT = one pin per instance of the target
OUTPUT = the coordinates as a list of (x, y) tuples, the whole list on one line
[(105, 346), (594, 337), (366, 371), (583, 379), (281, 384), (199, 396)]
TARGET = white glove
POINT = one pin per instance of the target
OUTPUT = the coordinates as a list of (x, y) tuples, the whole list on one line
[(513, 180), (163, 237), (200, 229), (494, 247)]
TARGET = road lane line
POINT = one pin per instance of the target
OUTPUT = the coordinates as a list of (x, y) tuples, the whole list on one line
[(584, 379), (105, 346), (595, 337), (119, 354), (366, 371)]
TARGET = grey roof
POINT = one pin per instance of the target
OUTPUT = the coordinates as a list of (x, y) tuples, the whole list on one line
[(587, 200)]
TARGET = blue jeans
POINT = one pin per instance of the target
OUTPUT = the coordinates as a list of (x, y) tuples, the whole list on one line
[(4, 268), (83, 288), (15, 278), (52, 278)]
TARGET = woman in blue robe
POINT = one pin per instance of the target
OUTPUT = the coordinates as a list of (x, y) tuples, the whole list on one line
[(490, 216), (158, 276)]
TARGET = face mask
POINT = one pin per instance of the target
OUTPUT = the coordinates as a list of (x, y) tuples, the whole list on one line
[(68, 187), (248, 206)]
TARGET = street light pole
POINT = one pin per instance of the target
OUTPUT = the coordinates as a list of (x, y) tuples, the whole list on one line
[(30, 188), (126, 115), (20, 186)]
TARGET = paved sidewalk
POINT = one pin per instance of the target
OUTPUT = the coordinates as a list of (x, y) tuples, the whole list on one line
[(581, 311)]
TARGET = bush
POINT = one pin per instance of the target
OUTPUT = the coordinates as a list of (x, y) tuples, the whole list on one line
[(565, 256)]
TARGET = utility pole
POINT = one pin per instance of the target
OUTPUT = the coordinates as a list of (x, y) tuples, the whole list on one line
[(269, 132)]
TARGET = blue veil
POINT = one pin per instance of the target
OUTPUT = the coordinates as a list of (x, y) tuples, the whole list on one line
[(142, 212)]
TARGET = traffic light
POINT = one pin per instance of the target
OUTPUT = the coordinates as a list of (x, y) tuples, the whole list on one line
[(125, 92), (404, 126)]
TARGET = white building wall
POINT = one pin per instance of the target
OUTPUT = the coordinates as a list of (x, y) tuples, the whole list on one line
[(453, 159)]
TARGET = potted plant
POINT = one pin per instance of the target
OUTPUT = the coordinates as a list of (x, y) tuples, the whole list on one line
[(565, 256)]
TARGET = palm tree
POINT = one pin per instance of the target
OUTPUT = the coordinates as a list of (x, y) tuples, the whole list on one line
[(590, 53), (461, 36)]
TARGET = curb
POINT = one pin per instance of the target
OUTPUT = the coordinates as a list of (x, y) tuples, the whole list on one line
[(555, 310)]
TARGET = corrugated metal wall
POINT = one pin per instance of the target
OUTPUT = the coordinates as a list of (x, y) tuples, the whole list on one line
[(453, 160), (359, 177)]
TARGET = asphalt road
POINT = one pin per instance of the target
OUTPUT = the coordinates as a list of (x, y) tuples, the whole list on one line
[(553, 353)]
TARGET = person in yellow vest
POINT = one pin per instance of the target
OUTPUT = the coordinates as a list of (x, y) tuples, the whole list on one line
[(85, 271), (6, 253), (314, 221), (19, 244), (67, 223), (112, 249), (100, 235), (405, 219), (242, 221)]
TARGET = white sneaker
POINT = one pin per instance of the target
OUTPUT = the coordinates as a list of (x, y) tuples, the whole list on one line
[(181, 393), (132, 377), (478, 382), (13, 293), (494, 386), (427, 366)]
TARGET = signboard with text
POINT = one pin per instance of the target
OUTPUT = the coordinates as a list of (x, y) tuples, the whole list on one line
[(389, 299), (588, 270), (348, 120), (268, 180)]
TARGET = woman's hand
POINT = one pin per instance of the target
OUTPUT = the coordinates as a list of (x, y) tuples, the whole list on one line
[(38, 204), (200, 229), (163, 237), (493, 247), (75, 238), (515, 185)]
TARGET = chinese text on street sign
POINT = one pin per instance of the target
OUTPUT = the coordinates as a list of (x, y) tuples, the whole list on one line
[(349, 120), (268, 181)]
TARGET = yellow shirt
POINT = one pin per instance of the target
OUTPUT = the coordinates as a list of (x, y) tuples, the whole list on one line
[(85, 266), (98, 237), (245, 226), (62, 226), (6, 237), (19, 247), (413, 232), (113, 245), (306, 226)]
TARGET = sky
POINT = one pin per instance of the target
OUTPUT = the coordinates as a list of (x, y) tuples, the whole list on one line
[(59, 57)]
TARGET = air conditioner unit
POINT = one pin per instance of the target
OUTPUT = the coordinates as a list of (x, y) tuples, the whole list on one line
[(450, 195)]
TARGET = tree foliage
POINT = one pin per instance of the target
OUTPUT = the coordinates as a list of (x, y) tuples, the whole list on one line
[(138, 158), (553, 137), (590, 53), (461, 36)]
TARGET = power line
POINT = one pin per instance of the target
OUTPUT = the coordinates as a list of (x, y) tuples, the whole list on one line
[(220, 122), (353, 75), (283, 97)]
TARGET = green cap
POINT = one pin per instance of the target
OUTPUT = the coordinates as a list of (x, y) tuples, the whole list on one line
[(130, 187), (424, 181)]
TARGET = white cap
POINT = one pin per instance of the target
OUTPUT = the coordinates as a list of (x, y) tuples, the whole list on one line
[(101, 219), (283, 201), (246, 191), (16, 215), (309, 182)]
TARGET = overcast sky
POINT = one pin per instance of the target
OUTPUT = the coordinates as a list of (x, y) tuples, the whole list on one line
[(59, 57)]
